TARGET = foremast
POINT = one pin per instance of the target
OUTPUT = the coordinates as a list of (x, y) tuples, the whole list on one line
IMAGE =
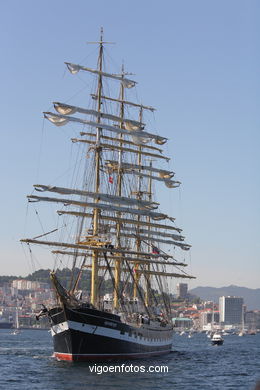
[(95, 255)]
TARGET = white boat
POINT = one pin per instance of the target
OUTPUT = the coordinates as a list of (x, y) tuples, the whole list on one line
[(217, 339)]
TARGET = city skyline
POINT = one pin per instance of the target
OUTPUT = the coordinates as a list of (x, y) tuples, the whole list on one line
[(197, 65), (22, 299)]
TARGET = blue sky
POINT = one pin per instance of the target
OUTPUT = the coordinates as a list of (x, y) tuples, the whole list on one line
[(197, 62)]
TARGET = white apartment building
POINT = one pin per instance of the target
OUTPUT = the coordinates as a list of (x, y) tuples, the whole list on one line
[(231, 310)]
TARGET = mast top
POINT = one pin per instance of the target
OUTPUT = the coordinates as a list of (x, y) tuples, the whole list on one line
[(101, 42)]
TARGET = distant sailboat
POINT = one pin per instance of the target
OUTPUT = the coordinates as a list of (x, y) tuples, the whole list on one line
[(242, 331), (216, 337), (17, 329)]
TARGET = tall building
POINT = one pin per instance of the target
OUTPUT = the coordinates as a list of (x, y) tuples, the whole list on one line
[(231, 310), (182, 290)]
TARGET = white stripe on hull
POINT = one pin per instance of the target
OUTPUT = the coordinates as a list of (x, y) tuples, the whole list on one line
[(107, 332)]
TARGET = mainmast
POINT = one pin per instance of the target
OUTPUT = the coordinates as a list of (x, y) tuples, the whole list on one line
[(94, 275), (139, 197), (119, 193)]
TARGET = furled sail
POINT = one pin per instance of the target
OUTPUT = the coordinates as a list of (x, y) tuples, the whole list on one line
[(152, 238), (122, 220), (145, 272), (162, 172), (74, 68), (139, 136), (157, 233), (168, 182), (100, 206), (66, 109), (141, 106), (135, 170), (122, 148), (167, 274), (94, 248), (121, 141), (105, 197), (124, 258)]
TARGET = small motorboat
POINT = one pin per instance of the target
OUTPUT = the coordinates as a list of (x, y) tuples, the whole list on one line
[(217, 339), (16, 331)]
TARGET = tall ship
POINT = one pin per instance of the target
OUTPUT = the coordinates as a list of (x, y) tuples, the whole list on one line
[(121, 236)]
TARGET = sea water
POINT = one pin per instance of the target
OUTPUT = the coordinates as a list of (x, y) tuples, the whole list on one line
[(26, 363)]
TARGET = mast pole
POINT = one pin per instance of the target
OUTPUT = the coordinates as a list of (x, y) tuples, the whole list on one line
[(119, 193), (139, 196), (94, 275), (147, 295)]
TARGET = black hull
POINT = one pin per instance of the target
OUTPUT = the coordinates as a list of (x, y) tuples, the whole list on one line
[(220, 342), (87, 334)]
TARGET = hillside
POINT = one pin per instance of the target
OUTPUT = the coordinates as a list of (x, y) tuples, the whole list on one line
[(251, 296), (64, 276)]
